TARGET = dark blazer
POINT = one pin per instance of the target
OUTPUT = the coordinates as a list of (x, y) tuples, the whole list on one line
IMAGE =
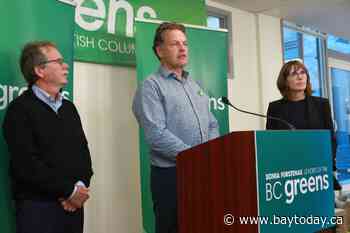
[(318, 116)]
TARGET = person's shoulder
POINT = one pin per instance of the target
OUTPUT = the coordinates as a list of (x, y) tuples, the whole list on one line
[(156, 76), (275, 106), (318, 99), (148, 87), (195, 81), (68, 104), (22, 100), (68, 107), (21, 106), (151, 80), (277, 102)]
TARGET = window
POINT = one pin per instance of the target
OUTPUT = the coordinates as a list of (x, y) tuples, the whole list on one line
[(338, 44), (309, 47), (216, 22), (340, 82), (291, 44)]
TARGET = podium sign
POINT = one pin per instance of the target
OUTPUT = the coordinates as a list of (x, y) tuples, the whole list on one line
[(295, 180), (257, 181)]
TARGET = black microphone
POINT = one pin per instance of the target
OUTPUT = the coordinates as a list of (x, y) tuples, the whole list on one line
[(227, 102)]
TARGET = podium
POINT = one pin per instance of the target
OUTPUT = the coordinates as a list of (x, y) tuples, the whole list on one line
[(257, 181)]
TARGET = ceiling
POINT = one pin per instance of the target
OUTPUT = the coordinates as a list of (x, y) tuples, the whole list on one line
[(328, 16)]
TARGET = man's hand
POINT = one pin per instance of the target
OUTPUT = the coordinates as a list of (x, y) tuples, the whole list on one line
[(67, 206), (77, 200), (79, 197)]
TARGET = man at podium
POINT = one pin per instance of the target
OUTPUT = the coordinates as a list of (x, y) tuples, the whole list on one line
[(174, 112)]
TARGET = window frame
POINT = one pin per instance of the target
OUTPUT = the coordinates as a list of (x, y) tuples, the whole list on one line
[(321, 51)]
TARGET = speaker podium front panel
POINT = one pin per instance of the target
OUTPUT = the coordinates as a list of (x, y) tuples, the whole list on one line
[(257, 181)]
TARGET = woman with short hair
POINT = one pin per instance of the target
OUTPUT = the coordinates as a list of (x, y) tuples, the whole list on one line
[(298, 107)]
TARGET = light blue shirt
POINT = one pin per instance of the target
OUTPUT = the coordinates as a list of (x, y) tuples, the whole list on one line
[(54, 103), (174, 114)]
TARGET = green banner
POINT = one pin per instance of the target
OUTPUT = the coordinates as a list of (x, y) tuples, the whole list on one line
[(299, 197), (104, 30), (21, 22), (211, 73)]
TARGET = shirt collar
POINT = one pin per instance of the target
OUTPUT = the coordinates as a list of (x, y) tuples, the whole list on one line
[(168, 74), (46, 97)]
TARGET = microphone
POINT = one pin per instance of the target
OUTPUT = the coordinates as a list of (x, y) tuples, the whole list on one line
[(227, 102)]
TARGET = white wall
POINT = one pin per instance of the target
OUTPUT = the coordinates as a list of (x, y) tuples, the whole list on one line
[(257, 58), (271, 57), (103, 95)]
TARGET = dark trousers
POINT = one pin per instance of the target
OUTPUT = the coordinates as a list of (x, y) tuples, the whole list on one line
[(163, 187), (47, 217)]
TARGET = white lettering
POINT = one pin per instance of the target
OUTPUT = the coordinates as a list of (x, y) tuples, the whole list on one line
[(9, 93), (114, 6), (146, 10), (92, 19), (100, 13)]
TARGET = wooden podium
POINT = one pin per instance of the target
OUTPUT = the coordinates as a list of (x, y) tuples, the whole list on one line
[(219, 181)]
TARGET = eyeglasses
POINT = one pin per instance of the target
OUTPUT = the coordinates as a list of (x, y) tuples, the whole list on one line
[(296, 73), (58, 61)]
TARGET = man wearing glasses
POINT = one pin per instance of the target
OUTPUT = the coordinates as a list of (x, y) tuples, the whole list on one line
[(49, 155)]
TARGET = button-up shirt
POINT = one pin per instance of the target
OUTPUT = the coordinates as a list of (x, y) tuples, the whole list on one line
[(174, 113), (54, 103)]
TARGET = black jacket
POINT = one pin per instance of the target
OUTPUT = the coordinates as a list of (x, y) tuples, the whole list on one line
[(318, 116)]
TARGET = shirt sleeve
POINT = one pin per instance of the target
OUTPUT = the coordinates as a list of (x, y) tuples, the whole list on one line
[(149, 111), (79, 183), (213, 127)]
